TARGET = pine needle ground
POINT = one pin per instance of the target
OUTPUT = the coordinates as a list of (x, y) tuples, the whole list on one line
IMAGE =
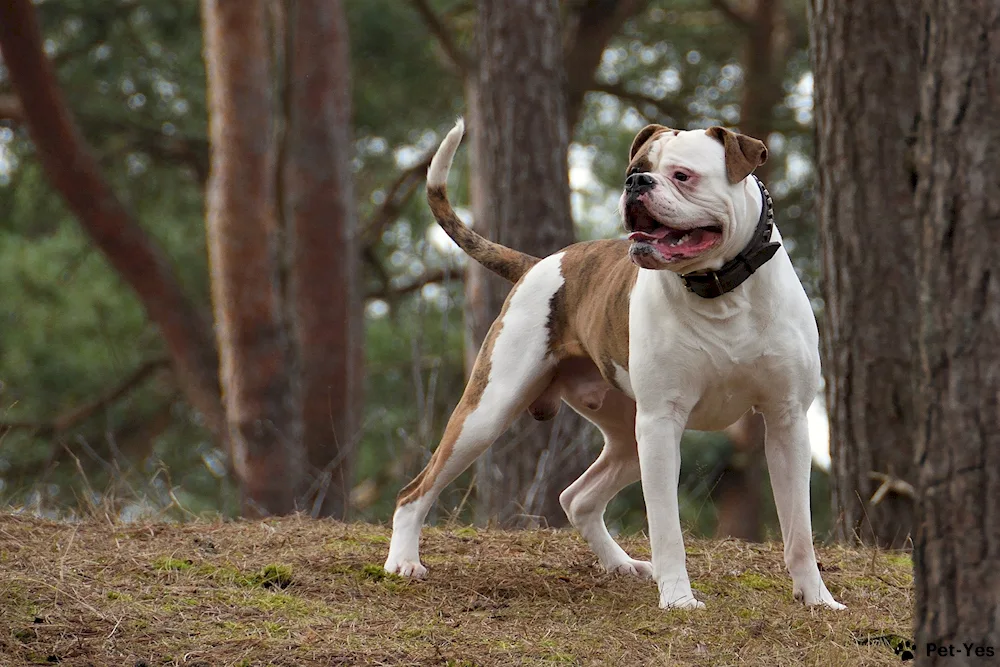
[(298, 591)]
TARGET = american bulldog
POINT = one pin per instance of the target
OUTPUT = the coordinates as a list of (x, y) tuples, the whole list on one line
[(695, 319)]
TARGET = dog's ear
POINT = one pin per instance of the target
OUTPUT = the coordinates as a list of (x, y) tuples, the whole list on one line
[(645, 134), (743, 153)]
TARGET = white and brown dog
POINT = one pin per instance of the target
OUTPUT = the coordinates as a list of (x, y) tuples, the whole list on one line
[(645, 338)]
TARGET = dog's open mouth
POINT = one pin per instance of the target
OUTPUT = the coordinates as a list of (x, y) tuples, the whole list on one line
[(674, 244)]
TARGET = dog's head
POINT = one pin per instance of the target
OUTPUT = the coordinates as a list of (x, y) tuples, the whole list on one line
[(686, 204)]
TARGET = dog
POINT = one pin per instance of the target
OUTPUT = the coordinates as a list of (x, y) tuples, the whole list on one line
[(695, 319)]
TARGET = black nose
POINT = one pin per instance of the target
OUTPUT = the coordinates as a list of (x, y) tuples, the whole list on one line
[(636, 184)]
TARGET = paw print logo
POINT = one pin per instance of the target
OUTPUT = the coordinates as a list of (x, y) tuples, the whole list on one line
[(905, 650)]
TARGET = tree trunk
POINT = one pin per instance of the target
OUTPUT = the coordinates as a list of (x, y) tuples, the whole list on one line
[(763, 64), (318, 210), (957, 550), (738, 495), (865, 68), (75, 174), (520, 197), (241, 226), (589, 28)]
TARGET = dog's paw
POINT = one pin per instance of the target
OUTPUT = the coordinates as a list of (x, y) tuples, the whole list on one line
[(819, 598), (634, 568), (829, 604), (406, 568), (675, 593), (687, 602)]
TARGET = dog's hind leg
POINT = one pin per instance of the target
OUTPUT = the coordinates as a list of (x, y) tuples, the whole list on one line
[(586, 500), (513, 368)]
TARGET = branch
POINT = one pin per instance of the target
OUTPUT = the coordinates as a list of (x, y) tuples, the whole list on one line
[(85, 411), (399, 193), (458, 58), (189, 151), (890, 485), (429, 277), (637, 99), (730, 13)]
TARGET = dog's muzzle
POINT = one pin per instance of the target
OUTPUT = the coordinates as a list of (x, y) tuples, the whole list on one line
[(637, 185)]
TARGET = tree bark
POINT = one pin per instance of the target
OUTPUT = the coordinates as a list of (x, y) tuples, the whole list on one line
[(957, 550), (763, 63), (319, 218), (738, 493), (241, 226), (865, 68), (75, 174), (520, 197)]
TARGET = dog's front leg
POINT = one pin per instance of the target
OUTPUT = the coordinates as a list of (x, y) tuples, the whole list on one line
[(789, 459), (659, 438)]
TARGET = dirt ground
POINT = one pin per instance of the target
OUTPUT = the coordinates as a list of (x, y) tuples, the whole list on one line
[(298, 591)]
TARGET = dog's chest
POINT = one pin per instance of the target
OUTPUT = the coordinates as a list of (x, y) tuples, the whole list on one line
[(724, 399), (718, 371)]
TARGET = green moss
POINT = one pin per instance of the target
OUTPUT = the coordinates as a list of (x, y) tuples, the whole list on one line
[(176, 604), (274, 576), (466, 531), (703, 586), (118, 595), (223, 574), (411, 633), (274, 629), (378, 574), (166, 563), (866, 582), (283, 602), (756, 581), (901, 560)]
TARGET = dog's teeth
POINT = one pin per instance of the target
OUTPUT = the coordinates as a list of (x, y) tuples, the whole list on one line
[(679, 241)]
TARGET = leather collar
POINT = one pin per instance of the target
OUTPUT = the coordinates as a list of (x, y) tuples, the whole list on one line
[(712, 284)]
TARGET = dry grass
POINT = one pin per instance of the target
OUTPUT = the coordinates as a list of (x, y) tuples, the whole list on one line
[(304, 592)]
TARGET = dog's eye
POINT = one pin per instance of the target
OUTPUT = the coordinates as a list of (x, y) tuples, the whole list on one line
[(680, 176)]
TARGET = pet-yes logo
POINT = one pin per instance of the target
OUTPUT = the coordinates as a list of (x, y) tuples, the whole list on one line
[(905, 650)]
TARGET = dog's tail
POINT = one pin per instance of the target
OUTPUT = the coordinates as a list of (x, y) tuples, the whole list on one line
[(501, 260)]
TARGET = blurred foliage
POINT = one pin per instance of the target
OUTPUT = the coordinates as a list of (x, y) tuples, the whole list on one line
[(132, 72)]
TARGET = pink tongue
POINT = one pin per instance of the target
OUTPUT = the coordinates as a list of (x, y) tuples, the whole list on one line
[(656, 234)]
